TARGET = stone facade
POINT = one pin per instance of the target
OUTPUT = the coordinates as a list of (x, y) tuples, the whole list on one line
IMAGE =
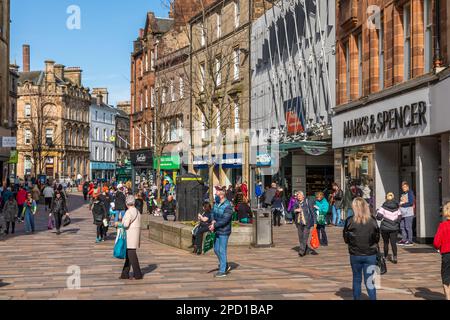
[(123, 132), (53, 123)]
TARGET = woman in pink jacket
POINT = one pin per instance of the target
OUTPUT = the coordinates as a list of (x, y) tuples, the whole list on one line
[(390, 216)]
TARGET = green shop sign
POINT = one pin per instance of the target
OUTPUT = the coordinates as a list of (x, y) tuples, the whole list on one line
[(168, 163)]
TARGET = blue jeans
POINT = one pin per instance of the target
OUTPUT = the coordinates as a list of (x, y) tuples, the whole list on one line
[(364, 265), (29, 221), (220, 249), (121, 214), (336, 216), (349, 213)]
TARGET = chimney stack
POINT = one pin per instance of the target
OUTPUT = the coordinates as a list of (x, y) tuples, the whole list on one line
[(99, 99), (102, 92), (73, 74), (26, 58), (59, 71), (50, 71)]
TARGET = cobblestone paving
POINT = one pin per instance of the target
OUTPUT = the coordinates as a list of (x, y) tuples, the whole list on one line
[(36, 267)]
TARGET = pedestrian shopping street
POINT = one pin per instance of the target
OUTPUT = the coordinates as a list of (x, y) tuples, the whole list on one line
[(35, 267)]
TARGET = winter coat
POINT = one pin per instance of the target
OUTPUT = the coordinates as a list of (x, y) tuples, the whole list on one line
[(292, 203), (48, 192), (31, 207), (169, 207), (308, 212), (442, 239), (268, 196), (10, 211), (59, 206), (120, 201), (21, 197), (132, 223), (222, 213), (139, 204), (322, 211), (98, 212), (339, 199), (390, 216), (244, 211), (362, 239), (277, 203), (36, 194)]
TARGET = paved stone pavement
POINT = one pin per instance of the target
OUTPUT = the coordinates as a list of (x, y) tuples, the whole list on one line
[(36, 267)]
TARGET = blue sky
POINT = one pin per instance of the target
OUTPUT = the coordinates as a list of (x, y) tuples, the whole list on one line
[(101, 47)]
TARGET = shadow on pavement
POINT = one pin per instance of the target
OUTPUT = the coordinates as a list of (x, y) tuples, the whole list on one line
[(296, 249), (347, 294), (149, 269), (3, 284), (233, 266), (427, 294)]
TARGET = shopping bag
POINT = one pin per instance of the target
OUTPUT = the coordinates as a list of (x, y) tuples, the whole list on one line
[(315, 242), (50, 224), (66, 220), (120, 247), (209, 242)]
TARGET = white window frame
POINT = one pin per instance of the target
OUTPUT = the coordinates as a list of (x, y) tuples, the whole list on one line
[(141, 101), (163, 95), (152, 60), (219, 25), (172, 90), (97, 134), (27, 136), (202, 35), (152, 97), (105, 135), (146, 135), (146, 98), (202, 77), (218, 71), (236, 116)]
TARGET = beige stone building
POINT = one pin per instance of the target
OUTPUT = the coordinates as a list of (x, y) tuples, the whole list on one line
[(53, 122)]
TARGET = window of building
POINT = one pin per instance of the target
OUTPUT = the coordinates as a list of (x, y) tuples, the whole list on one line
[(237, 13), (105, 154), (146, 135), (428, 21), (146, 61), (140, 137), (381, 54), (202, 35), (104, 117), (146, 98), (203, 124), (49, 136), (236, 62), (202, 77), (172, 90), (113, 156), (27, 136), (407, 41), (180, 128), (219, 24), (163, 95), (96, 115), (348, 69), (141, 102), (360, 65), (105, 135), (152, 97), (218, 122), (27, 111), (152, 134), (97, 134), (236, 116), (181, 81), (218, 71), (173, 132), (152, 60)]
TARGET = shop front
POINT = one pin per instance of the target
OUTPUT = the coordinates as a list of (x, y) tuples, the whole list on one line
[(169, 165), (381, 144), (142, 167), (103, 171), (227, 169)]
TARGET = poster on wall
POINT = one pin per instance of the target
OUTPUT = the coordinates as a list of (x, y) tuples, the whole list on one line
[(295, 121)]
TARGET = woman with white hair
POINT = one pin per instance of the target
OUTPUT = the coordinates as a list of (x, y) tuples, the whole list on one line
[(132, 224)]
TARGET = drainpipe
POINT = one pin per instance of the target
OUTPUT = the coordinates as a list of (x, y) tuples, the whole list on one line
[(437, 38)]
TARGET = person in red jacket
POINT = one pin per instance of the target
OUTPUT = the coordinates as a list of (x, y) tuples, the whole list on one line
[(442, 243), (244, 188), (21, 198)]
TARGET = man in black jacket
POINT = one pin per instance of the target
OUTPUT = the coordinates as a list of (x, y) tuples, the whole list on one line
[(305, 220), (169, 208)]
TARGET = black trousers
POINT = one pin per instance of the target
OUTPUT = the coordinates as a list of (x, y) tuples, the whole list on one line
[(100, 231), (276, 217), (390, 237), (198, 237), (321, 230), (13, 227), (58, 220), (166, 215), (131, 261)]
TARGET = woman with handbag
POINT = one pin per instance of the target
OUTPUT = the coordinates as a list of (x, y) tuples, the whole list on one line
[(390, 216), (361, 234), (58, 209), (131, 222), (201, 228)]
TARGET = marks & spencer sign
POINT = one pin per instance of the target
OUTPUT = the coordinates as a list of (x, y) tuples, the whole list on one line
[(404, 116)]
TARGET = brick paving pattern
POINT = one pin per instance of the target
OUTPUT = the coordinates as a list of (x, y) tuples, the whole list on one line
[(35, 267)]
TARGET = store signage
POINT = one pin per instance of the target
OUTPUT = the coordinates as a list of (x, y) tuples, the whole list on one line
[(13, 157), (394, 119), (168, 163), (141, 158), (315, 150), (103, 166), (9, 142), (263, 160)]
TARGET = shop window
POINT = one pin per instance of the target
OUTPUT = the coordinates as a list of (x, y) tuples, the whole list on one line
[(359, 165)]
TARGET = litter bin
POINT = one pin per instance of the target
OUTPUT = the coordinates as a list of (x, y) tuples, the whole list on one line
[(262, 228)]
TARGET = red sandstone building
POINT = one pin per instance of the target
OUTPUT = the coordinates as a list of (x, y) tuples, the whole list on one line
[(392, 96)]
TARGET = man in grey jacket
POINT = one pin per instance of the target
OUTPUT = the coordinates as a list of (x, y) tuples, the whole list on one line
[(269, 195)]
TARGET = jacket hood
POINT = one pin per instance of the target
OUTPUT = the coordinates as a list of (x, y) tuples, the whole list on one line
[(391, 205)]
